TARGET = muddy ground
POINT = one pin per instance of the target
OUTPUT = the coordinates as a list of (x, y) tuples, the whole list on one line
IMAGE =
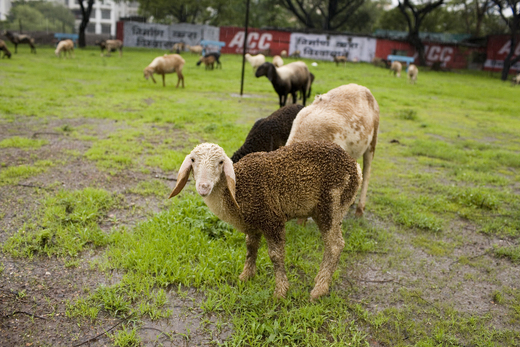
[(34, 293)]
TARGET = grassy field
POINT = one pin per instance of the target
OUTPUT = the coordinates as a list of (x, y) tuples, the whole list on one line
[(89, 149)]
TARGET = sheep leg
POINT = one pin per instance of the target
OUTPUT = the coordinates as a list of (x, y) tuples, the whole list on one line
[(333, 245), (163, 81), (252, 244), (293, 97), (153, 79), (276, 251), (367, 161)]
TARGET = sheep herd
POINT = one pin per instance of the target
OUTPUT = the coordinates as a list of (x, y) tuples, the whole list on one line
[(299, 162)]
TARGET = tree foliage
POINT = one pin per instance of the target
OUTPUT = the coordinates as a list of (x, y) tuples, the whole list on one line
[(323, 14), (509, 10), (414, 15), (41, 16)]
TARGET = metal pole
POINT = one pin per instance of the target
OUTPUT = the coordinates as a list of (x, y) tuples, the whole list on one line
[(244, 52)]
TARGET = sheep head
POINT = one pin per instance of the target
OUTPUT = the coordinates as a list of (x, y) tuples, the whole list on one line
[(208, 161), (148, 72), (266, 69)]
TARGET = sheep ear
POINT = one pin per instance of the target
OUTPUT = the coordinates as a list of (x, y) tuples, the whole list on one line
[(182, 178), (230, 179)]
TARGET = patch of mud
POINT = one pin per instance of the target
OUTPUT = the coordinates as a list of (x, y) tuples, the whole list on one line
[(34, 293), (405, 272)]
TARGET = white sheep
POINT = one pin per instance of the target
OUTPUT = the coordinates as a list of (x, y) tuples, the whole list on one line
[(64, 46), (283, 53), (277, 61), (264, 190), (288, 79), (413, 71), (396, 67), (255, 60), (169, 63), (347, 115), (516, 80), (195, 49)]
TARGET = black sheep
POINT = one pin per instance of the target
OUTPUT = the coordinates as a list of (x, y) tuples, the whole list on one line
[(269, 134), (217, 58), (287, 79)]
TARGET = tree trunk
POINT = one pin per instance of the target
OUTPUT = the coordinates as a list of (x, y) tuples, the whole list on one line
[(509, 61), (416, 42), (82, 42)]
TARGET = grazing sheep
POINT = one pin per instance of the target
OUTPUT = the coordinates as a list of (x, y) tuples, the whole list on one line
[(283, 53), (256, 60), (310, 86), (288, 79), (111, 46), (178, 47), (340, 59), (268, 134), (4, 49), (516, 80), (64, 46), (396, 67), (296, 54), (261, 192), (347, 115), (216, 56), (277, 61), (413, 71), (169, 63), (195, 49), (17, 39), (209, 61)]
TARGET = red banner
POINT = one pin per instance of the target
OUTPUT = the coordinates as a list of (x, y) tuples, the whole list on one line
[(498, 48), (450, 56), (267, 42)]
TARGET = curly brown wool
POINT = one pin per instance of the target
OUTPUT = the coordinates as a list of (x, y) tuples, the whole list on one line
[(270, 133), (264, 190)]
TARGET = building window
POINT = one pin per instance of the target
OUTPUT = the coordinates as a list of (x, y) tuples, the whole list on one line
[(105, 14), (105, 28), (93, 14), (91, 28), (67, 3)]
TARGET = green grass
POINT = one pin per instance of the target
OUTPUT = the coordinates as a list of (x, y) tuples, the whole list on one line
[(67, 223), (21, 142), (455, 164)]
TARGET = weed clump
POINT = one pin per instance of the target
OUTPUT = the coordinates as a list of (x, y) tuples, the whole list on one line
[(67, 223)]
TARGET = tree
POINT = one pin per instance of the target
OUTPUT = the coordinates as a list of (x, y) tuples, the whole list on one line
[(513, 22), (324, 14), (415, 15), (168, 11), (473, 14), (85, 13)]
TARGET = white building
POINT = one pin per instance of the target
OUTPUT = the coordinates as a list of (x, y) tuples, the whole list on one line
[(103, 18), (5, 6), (104, 15)]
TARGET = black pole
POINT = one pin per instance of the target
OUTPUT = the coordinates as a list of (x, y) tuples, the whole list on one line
[(244, 52)]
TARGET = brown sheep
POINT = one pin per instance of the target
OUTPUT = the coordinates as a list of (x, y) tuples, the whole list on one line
[(4, 49), (264, 190), (169, 63)]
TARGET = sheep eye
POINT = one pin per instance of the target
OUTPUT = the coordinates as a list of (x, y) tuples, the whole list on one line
[(192, 160), (221, 162)]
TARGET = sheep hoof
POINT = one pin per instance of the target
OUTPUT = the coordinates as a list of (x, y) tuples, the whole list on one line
[(359, 211), (319, 291), (245, 275), (281, 291)]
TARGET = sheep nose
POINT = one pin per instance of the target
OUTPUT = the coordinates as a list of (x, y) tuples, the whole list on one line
[(204, 185)]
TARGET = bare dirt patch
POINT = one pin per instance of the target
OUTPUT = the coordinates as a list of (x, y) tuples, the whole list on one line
[(34, 292)]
